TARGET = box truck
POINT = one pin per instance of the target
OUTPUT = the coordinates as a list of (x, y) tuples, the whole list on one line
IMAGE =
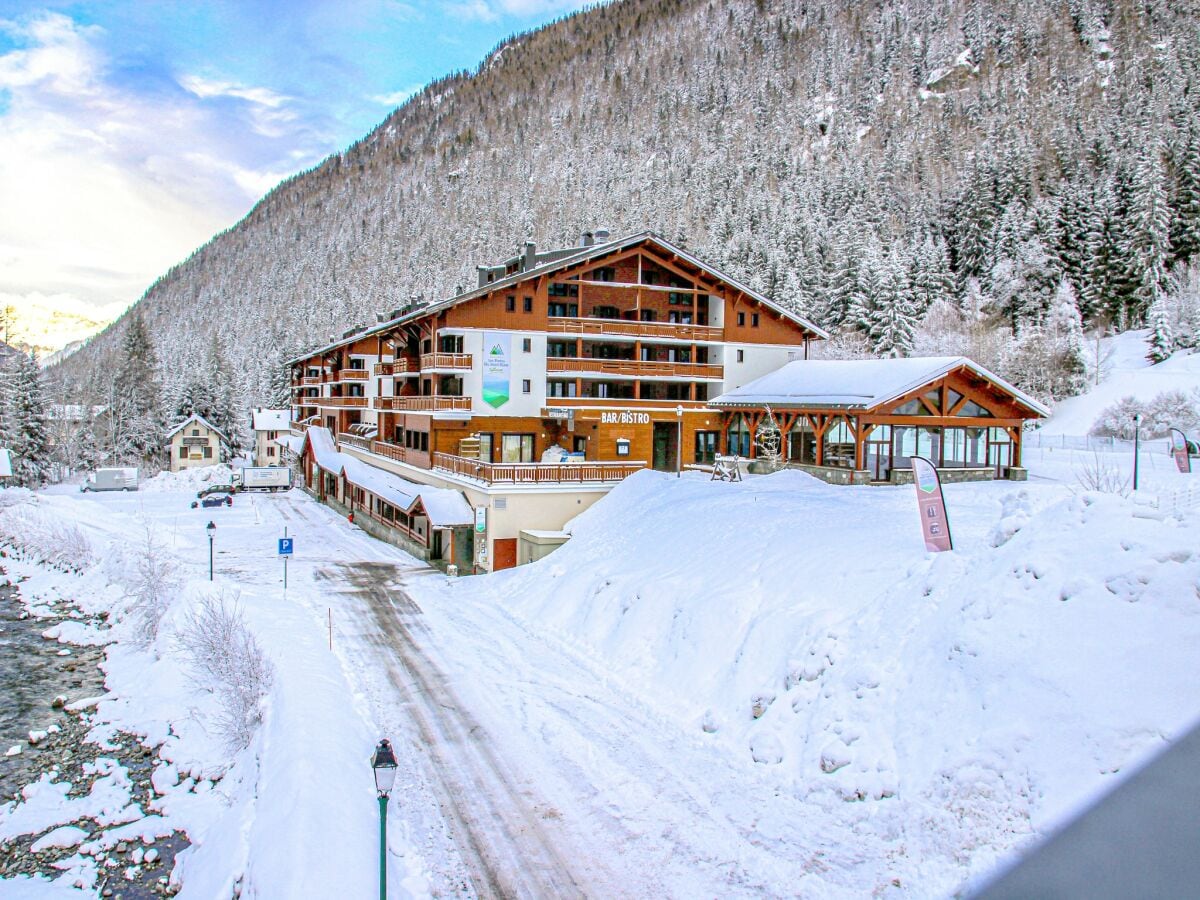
[(111, 480), (263, 478)]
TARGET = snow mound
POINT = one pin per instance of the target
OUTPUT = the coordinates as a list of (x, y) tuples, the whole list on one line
[(978, 696), (188, 479)]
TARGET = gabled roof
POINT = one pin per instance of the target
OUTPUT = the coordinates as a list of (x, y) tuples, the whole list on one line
[(271, 420), (857, 383), (195, 417), (582, 255), (443, 507)]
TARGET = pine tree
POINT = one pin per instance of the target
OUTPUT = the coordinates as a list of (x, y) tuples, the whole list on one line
[(136, 432), (1161, 339), (1185, 225), (1149, 230), (28, 428), (1064, 326)]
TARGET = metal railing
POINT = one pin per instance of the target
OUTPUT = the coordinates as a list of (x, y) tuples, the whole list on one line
[(535, 473)]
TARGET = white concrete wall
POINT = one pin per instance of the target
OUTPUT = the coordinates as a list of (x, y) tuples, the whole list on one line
[(757, 361), (531, 366)]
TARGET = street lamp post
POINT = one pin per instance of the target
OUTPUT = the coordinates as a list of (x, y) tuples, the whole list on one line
[(384, 764), (212, 530), (1137, 427), (679, 441)]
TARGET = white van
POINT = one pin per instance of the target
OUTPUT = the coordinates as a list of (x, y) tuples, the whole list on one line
[(111, 480)]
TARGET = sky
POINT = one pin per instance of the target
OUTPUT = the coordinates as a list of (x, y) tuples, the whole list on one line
[(132, 132)]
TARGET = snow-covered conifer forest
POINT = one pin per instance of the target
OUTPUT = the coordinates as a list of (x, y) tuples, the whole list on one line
[(988, 177)]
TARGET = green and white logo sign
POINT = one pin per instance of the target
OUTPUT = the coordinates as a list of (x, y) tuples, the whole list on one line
[(497, 369)]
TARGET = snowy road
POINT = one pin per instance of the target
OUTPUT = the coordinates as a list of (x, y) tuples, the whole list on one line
[(526, 769)]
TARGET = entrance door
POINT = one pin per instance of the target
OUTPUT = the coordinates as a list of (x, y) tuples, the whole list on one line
[(666, 446), (580, 444)]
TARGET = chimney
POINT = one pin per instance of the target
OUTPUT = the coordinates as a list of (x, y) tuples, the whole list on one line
[(530, 256), (483, 275), (602, 235), (585, 239)]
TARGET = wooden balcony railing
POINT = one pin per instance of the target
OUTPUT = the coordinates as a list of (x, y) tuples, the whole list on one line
[(354, 440), (340, 402), (353, 375), (446, 361), (423, 404), (391, 451), (399, 367), (623, 328), (634, 367), (535, 473), (311, 379)]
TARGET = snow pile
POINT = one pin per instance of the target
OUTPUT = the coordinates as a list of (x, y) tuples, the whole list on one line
[(969, 699), (189, 479)]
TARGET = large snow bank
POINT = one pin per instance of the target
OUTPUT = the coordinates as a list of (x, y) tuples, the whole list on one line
[(968, 699)]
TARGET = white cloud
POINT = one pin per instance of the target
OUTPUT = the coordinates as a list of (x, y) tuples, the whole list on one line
[(494, 10), (107, 183), (396, 97)]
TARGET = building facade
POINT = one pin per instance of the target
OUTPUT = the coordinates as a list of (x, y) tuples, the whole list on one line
[(557, 376), (193, 444), (268, 426)]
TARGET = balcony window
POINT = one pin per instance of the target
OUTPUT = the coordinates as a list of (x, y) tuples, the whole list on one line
[(676, 299), (516, 448), (560, 389), (558, 289), (606, 312), (358, 364), (450, 386), (560, 349), (450, 343), (648, 315), (564, 309)]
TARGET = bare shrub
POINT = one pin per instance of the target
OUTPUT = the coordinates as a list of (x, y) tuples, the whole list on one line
[(1103, 475), (224, 659), (155, 584), (42, 538)]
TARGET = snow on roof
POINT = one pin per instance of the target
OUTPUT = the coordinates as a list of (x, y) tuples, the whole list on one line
[(292, 442), (856, 383), (444, 507), (271, 419), (195, 417)]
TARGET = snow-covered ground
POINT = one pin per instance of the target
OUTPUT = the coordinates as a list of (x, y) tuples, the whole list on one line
[(1125, 372), (758, 689)]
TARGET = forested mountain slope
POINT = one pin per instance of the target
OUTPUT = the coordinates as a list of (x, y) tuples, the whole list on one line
[(858, 161)]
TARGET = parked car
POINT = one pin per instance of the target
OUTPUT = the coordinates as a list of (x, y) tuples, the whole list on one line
[(214, 500), (215, 489)]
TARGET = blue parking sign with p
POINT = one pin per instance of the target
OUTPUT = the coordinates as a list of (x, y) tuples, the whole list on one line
[(285, 546)]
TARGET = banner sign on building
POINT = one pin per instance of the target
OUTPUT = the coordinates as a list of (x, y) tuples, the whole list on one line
[(935, 524), (480, 519), (1179, 449), (497, 369)]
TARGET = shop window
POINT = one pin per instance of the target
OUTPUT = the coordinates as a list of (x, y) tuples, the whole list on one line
[(839, 446)]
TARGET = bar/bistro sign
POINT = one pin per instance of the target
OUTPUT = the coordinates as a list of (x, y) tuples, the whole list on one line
[(195, 442), (624, 417)]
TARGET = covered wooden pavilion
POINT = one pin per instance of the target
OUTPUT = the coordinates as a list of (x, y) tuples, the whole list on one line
[(862, 421)]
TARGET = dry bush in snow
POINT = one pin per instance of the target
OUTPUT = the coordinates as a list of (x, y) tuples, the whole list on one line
[(44, 538), (154, 585), (1103, 475), (224, 659)]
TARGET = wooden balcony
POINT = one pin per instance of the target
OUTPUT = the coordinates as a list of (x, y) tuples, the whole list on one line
[(423, 404), (354, 440), (634, 368), (623, 328), (391, 451), (445, 361), (311, 380), (340, 402), (535, 473), (399, 367), (353, 375)]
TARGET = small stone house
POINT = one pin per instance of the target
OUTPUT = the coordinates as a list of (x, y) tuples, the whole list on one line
[(269, 425), (193, 444)]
